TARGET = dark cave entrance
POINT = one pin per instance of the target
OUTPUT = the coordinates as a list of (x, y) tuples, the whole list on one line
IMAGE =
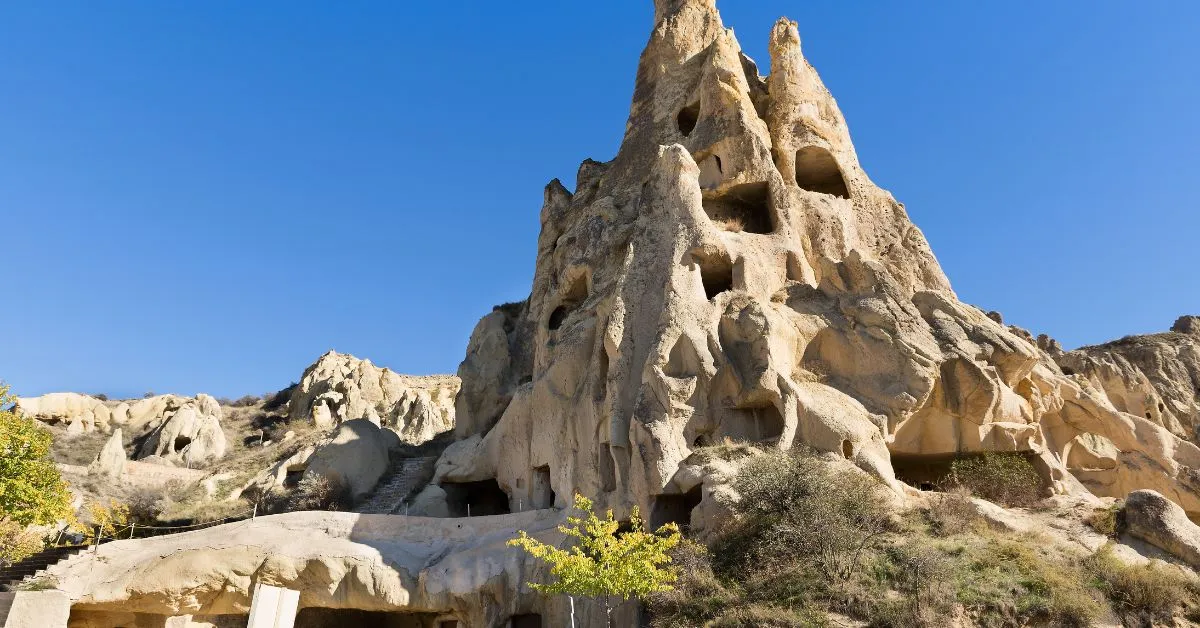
[(575, 295), (675, 508), (476, 499), (340, 618), (818, 171), (688, 118), (742, 208), (716, 273), (527, 620), (180, 443)]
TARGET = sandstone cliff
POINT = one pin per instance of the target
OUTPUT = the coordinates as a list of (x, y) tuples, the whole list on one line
[(1155, 376), (733, 273)]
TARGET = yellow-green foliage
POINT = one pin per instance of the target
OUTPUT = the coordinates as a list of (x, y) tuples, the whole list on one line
[(1149, 589), (31, 490), (602, 563), (110, 519), (1104, 520), (17, 542)]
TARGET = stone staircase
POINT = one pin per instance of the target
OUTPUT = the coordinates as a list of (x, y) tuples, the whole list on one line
[(32, 566), (406, 476)]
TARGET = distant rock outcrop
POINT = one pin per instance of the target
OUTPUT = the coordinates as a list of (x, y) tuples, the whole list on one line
[(340, 388), (188, 431), (80, 413), (1156, 376)]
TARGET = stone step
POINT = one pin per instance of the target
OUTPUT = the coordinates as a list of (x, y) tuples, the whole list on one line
[(405, 476)]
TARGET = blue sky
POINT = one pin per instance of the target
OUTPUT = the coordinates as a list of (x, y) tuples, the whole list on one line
[(204, 197)]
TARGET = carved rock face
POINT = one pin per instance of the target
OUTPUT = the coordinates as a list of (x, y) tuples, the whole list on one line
[(733, 273)]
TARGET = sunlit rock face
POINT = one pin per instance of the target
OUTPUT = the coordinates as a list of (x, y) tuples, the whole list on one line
[(733, 273)]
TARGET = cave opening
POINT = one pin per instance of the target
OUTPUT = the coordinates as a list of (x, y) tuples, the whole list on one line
[(688, 118), (575, 295), (476, 499), (180, 443), (675, 509), (716, 273), (543, 490), (818, 171), (338, 617), (525, 620), (757, 424), (742, 208), (608, 470)]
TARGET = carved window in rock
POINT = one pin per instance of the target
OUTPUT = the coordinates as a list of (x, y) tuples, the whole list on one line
[(575, 295), (527, 620), (542, 489), (675, 509), (716, 273), (742, 208), (608, 468), (818, 171), (688, 118)]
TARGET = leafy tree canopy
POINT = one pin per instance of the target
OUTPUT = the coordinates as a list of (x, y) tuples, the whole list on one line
[(31, 490)]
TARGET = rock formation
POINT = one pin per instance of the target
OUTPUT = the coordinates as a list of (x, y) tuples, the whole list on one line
[(451, 569), (80, 413), (340, 388), (733, 273), (111, 460), (1155, 376), (354, 458), (1155, 519), (188, 433)]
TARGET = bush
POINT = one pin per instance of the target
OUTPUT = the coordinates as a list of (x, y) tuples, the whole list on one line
[(952, 513), (319, 493), (1104, 520), (1149, 589), (698, 596), (17, 543), (1007, 479), (797, 506)]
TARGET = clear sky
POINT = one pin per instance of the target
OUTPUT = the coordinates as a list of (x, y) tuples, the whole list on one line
[(205, 196)]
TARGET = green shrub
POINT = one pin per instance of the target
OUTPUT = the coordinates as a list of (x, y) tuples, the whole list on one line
[(1148, 589), (1008, 479), (797, 507)]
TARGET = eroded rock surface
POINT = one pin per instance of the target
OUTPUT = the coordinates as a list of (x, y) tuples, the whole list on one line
[(339, 388), (733, 273), (1155, 376), (1149, 516), (187, 431)]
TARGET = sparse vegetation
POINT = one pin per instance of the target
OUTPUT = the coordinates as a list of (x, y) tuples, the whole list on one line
[(1104, 520), (1149, 592), (1008, 479), (774, 568)]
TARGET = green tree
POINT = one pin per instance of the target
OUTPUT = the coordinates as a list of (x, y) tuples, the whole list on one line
[(31, 490), (604, 563)]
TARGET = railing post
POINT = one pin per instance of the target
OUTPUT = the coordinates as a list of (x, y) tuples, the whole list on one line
[(254, 513), (131, 527)]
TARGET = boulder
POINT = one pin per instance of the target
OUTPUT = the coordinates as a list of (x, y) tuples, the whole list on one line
[(339, 388), (111, 460), (355, 457), (1149, 516)]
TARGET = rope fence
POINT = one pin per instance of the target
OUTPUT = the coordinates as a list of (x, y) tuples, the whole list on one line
[(98, 537)]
